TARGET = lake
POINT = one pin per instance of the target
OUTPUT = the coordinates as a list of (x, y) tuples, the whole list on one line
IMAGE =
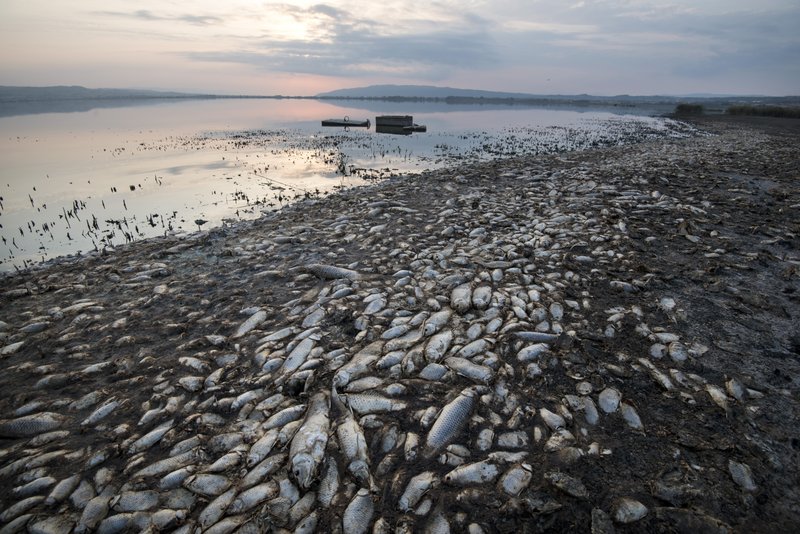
[(79, 181)]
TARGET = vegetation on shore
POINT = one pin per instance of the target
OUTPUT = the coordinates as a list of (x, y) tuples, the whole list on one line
[(764, 111), (688, 109)]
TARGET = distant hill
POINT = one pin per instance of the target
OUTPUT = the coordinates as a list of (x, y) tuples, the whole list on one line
[(77, 92), (417, 91)]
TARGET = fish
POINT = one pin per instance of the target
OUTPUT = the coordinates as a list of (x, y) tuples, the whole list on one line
[(474, 473), (331, 272), (357, 517), (307, 448), (31, 425), (354, 448), (416, 488), (451, 421), (252, 322)]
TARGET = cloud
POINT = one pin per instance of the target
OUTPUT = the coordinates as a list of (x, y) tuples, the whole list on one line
[(337, 42), (143, 14)]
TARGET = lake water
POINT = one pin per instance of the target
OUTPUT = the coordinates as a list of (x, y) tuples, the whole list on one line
[(80, 181)]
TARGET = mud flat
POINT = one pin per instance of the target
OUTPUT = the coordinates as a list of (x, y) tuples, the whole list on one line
[(603, 340)]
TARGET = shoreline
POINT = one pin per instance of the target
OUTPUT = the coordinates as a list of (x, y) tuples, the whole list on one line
[(667, 272)]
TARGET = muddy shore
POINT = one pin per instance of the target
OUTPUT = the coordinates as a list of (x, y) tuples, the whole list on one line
[(668, 272)]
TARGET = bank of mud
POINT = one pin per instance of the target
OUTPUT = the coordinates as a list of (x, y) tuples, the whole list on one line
[(664, 275)]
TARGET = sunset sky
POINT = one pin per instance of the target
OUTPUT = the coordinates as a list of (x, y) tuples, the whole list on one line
[(602, 47)]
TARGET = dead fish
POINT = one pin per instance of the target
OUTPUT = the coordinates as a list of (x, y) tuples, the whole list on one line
[(627, 510), (609, 400), (207, 484), (368, 403), (250, 498), (332, 272), (461, 298), (298, 356), (328, 484), (358, 365), (436, 322), (101, 413), (358, 514), (552, 420), (308, 445), (482, 297), (532, 352), (38, 485), (742, 475), (468, 369), (167, 465), (151, 438), (263, 469), (31, 425), (20, 507), (516, 479), (252, 322), (93, 513), (134, 501), (416, 488), (285, 416), (261, 448), (215, 510), (451, 420), (630, 416), (354, 448), (470, 474), (62, 490), (438, 345)]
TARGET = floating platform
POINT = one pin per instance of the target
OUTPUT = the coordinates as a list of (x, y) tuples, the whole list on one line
[(347, 123), (397, 124)]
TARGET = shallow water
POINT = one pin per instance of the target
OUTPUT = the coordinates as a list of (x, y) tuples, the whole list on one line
[(74, 182)]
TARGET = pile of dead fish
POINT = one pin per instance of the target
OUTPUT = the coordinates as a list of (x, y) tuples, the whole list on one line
[(420, 368)]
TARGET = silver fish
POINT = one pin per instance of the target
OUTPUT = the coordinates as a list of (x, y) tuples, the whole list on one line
[(262, 470), (475, 473), (253, 321), (287, 415), (308, 445), (358, 514), (366, 403), (250, 498), (207, 484), (461, 298), (332, 272), (416, 488), (354, 448), (151, 438), (473, 371), (438, 345), (451, 420), (31, 425), (261, 448), (328, 484), (215, 510), (436, 322)]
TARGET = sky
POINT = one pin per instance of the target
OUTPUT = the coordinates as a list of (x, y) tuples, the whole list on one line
[(601, 47)]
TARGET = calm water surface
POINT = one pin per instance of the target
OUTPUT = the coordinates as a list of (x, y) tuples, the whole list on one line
[(77, 182)]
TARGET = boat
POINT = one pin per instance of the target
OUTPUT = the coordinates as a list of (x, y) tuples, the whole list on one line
[(397, 124), (347, 123)]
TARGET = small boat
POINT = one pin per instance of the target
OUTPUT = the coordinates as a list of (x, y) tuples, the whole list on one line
[(347, 123)]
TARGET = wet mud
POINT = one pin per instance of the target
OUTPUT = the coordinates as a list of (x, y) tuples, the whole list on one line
[(665, 277)]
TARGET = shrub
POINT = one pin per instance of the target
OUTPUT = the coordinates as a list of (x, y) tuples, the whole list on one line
[(688, 109), (764, 111)]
